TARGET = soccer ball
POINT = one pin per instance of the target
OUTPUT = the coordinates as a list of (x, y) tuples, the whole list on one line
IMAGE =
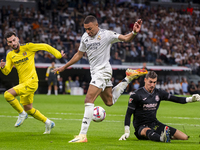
[(99, 114)]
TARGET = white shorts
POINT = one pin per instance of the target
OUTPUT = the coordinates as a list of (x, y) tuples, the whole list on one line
[(102, 79)]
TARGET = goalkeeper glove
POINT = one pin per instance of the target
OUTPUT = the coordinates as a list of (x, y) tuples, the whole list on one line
[(126, 134), (194, 98)]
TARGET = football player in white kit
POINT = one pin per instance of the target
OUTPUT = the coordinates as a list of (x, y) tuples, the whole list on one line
[(96, 42)]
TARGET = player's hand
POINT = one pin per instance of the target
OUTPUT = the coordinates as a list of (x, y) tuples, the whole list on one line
[(195, 97), (62, 53), (2, 64), (60, 69), (126, 134), (137, 26)]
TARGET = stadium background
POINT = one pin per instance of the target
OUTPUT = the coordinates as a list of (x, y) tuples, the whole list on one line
[(48, 21)]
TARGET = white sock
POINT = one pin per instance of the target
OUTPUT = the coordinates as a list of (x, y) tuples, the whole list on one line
[(23, 112), (49, 92), (119, 89), (47, 121), (56, 92), (89, 109)]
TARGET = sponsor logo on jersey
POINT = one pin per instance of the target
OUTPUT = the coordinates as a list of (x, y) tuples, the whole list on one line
[(24, 53), (99, 37), (150, 106), (157, 98), (93, 46), (21, 60)]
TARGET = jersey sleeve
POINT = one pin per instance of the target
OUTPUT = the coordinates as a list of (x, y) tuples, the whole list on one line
[(8, 66), (45, 47), (163, 94), (130, 110), (113, 36), (48, 71), (166, 96), (181, 100)]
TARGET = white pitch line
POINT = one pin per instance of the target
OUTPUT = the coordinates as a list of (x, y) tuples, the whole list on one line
[(81, 114), (182, 118), (5, 116), (124, 116)]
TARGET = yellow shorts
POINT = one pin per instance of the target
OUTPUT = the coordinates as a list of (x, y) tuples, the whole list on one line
[(26, 91)]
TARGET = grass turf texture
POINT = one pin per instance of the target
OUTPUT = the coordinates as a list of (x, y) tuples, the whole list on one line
[(67, 113)]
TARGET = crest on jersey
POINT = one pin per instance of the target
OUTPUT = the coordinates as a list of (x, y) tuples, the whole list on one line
[(99, 37), (130, 100), (157, 98), (24, 53)]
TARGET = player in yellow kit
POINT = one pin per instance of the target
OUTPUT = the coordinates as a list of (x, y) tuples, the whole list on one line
[(22, 57)]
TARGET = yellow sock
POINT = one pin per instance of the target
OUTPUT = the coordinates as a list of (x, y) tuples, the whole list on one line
[(13, 102), (36, 114)]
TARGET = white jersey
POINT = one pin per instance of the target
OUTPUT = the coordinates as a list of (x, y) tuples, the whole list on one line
[(98, 48)]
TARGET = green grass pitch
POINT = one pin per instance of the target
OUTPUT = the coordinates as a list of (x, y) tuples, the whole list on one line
[(67, 113)]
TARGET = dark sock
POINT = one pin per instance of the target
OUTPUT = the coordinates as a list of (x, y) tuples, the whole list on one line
[(151, 135)]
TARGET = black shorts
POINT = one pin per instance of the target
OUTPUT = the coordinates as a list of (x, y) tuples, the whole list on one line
[(54, 80), (157, 126)]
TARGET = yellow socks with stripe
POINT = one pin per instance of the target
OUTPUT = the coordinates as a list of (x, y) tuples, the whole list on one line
[(13, 102), (36, 114)]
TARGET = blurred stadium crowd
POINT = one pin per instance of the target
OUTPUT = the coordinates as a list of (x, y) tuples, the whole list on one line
[(169, 36)]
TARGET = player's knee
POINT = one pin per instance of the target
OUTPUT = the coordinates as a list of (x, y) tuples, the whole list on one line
[(109, 103), (8, 96), (185, 137), (31, 111)]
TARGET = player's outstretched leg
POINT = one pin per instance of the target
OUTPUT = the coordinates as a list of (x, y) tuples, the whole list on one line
[(81, 138), (130, 75), (21, 119), (165, 135), (48, 127)]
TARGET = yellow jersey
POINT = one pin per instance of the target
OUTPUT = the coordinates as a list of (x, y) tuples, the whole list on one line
[(24, 62)]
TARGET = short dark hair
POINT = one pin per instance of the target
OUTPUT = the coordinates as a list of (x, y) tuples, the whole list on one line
[(9, 34), (151, 74), (89, 19), (53, 60)]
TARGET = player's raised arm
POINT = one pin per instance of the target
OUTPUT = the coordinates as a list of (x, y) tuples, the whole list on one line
[(6, 67), (74, 59), (129, 37)]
